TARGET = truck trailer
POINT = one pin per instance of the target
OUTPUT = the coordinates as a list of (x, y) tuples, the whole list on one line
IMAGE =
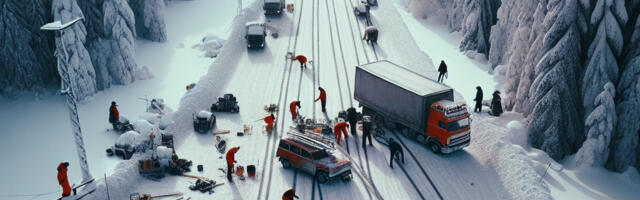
[(399, 98)]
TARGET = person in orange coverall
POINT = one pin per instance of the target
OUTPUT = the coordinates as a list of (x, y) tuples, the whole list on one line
[(338, 128), (62, 179), (231, 158)]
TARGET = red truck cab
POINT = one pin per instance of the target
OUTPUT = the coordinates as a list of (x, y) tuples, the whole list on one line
[(450, 125)]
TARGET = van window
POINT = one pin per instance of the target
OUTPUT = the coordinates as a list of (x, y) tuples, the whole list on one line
[(305, 154), (284, 145), (295, 149), (442, 125), (320, 154)]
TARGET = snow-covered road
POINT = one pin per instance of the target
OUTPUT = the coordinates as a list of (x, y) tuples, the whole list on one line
[(328, 33)]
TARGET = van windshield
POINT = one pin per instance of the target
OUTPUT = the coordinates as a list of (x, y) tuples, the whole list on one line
[(272, 5), (457, 125), (320, 154)]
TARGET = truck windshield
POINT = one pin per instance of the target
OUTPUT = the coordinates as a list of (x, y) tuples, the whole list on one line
[(320, 155), (457, 125), (272, 5)]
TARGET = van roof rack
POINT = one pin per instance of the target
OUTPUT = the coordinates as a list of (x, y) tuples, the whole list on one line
[(314, 141)]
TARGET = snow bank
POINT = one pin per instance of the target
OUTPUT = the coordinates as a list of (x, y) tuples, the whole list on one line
[(210, 86), (211, 45), (518, 172)]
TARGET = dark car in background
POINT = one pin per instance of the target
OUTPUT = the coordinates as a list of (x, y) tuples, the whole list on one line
[(273, 7), (256, 35)]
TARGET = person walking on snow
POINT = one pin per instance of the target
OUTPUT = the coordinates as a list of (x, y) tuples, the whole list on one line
[(396, 151), (478, 100), (496, 104), (366, 131), (231, 158), (339, 129), (352, 118), (302, 59), (323, 99), (62, 179), (114, 115), (293, 109), (443, 70), (289, 194), (269, 120)]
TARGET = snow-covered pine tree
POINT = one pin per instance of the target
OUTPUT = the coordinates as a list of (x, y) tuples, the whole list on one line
[(149, 15), (481, 15), (608, 18), (520, 46), (624, 144), (80, 68), (555, 122), (538, 29), (600, 125), (113, 55), (26, 52)]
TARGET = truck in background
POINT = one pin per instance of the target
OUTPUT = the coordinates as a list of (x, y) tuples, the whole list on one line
[(399, 98), (273, 7)]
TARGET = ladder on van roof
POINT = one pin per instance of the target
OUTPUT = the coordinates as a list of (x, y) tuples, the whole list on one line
[(317, 141)]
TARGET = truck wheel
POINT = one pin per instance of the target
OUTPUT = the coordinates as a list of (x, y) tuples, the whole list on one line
[(285, 163), (435, 147), (322, 177)]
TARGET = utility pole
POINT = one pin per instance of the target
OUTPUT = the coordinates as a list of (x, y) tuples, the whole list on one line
[(67, 90)]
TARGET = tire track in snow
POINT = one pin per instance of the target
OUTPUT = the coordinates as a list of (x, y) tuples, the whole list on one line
[(333, 51), (271, 146), (418, 163)]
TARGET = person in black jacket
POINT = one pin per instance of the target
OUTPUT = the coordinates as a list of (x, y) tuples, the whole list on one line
[(496, 104), (443, 70), (478, 100), (396, 150), (352, 118), (366, 131)]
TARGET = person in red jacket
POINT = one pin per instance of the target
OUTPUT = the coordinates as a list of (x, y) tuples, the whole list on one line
[(62, 179), (302, 59), (269, 120), (231, 158), (114, 115), (323, 99), (289, 194), (339, 129), (293, 109)]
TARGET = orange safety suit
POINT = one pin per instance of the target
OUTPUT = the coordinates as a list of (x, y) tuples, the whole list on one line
[(338, 128), (292, 108), (63, 181)]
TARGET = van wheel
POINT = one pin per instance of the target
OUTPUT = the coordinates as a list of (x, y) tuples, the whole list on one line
[(435, 147), (322, 177), (285, 163)]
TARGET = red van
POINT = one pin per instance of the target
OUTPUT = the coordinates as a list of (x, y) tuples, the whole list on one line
[(314, 155)]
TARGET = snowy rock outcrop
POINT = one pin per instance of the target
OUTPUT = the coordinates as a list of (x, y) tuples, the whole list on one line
[(149, 19), (26, 52), (79, 66), (599, 125)]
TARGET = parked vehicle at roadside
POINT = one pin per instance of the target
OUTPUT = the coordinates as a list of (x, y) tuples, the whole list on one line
[(399, 98)]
